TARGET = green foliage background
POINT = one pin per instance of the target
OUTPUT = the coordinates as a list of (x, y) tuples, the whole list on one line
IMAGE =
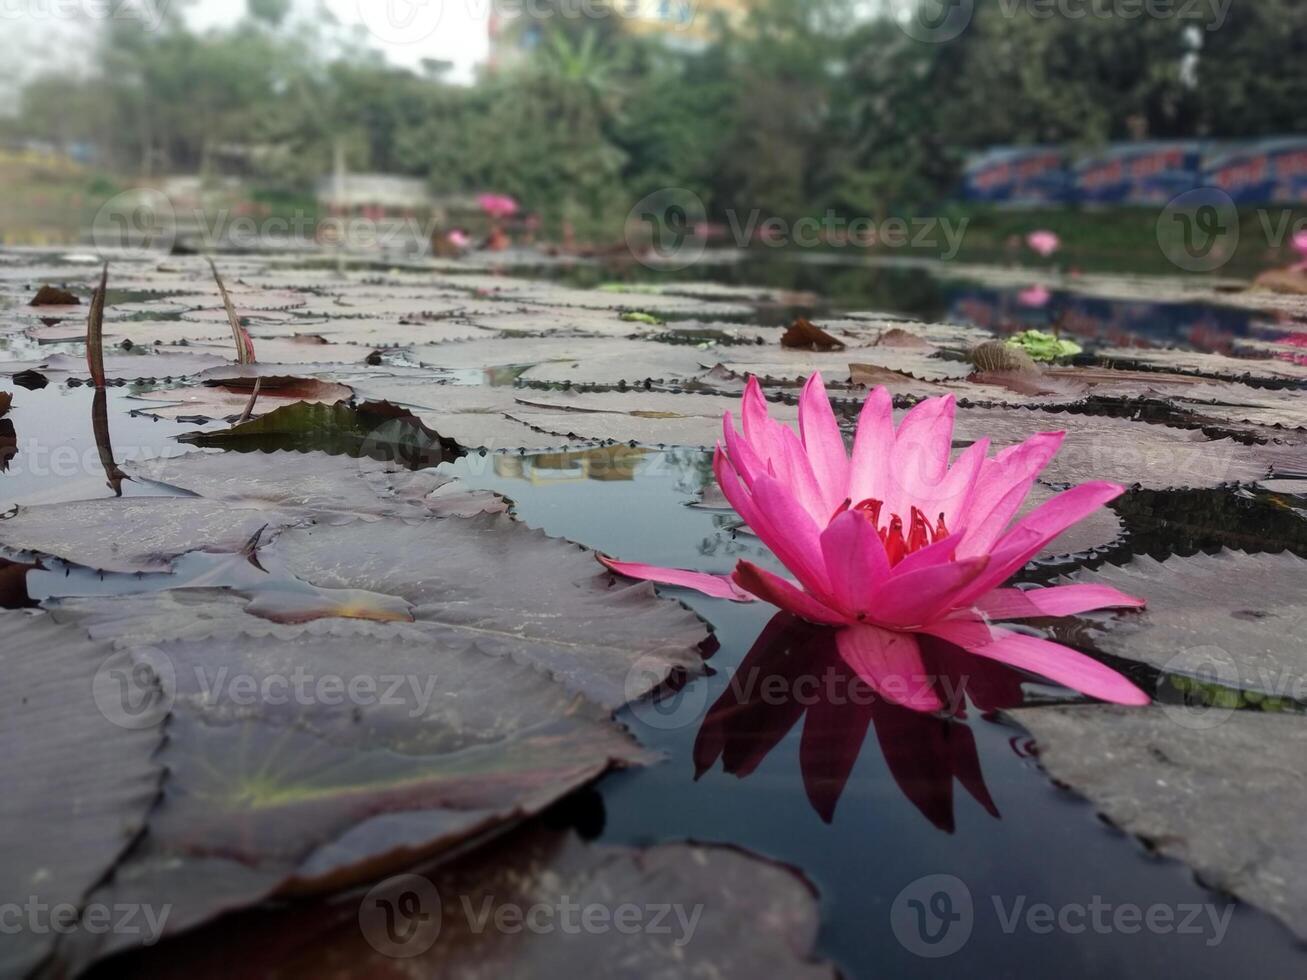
[(804, 106)]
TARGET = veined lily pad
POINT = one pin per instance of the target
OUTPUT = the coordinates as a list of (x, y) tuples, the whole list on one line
[(297, 766)]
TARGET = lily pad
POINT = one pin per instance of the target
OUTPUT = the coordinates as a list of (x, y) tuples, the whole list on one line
[(553, 870), (54, 296), (335, 771), (1198, 624), (1226, 800), (319, 486), (148, 364), (79, 772), (1122, 450), (224, 399), (654, 418), (1212, 365)]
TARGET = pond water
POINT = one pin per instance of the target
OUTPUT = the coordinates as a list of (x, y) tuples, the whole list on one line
[(867, 800), (935, 292)]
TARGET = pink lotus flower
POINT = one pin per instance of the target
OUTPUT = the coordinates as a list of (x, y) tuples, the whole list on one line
[(458, 238), (1044, 242), (1035, 297), (896, 542), (497, 206)]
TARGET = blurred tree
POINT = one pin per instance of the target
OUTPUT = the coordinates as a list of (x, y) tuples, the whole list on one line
[(1249, 70)]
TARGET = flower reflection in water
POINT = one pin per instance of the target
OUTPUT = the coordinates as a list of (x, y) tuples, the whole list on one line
[(794, 673)]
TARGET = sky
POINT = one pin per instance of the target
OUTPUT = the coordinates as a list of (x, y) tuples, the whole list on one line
[(407, 31), (37, 35)]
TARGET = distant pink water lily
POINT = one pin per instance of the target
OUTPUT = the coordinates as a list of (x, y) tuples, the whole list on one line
[(1300, 246), (1044, 242), (896, 542), (497, 206), (1034, 297), (458, 238)]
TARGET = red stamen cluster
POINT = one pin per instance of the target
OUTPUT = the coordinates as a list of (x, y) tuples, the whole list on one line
[(897, 547)]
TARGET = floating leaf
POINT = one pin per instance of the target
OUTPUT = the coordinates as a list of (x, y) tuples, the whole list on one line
[(651, 418), (216, 399), (1044, 346), (804, 335), (54, 296), (355, 770), (1121, 450), (1223, 798), (1196, 622), (78, 770), (537, 867), (645, 318), (898, 337)]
